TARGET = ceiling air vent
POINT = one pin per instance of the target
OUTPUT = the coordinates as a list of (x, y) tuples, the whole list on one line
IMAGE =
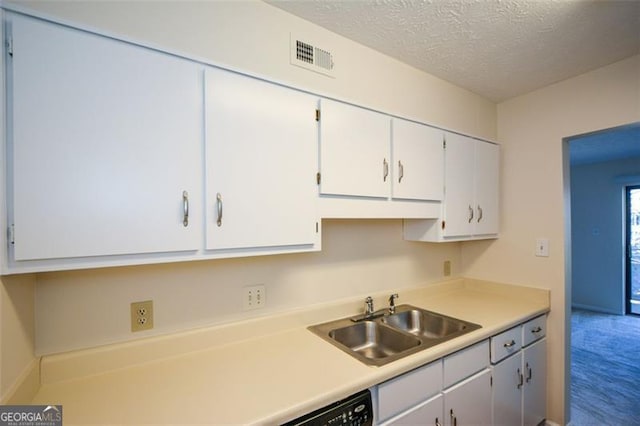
[(306, 55)]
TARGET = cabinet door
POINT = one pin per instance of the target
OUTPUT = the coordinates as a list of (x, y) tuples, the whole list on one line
[(469, 402), (418, 161), (428, 413), (261, 162), (486, 188), (507, 391), (459, 211), (535, 383), (354, 151), (400, 393), (104, 139)]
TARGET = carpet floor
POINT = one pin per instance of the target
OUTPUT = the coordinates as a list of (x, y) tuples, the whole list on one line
[(605, 369)]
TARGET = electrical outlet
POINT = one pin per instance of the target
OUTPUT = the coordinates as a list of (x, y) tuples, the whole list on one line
[(254, 297), (142, 315), (447, 268)]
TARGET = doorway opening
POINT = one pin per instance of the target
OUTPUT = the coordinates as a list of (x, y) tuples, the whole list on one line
[(633, 249)]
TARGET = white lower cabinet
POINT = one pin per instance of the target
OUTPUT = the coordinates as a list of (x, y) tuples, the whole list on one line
[(519, 378), (467, 381), (534, 391), (428, 413), (400, 396), (455, 390), (507, 391), (469, 402), (499, 381)]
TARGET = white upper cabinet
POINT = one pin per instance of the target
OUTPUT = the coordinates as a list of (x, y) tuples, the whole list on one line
[(366, 172), (261, 164), (418, 161), (471, 182), (470, 209), (459, 207), (486, 188), (355, 151), (104, 146)]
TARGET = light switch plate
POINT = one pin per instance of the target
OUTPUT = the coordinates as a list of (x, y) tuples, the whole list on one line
[(542, 247)]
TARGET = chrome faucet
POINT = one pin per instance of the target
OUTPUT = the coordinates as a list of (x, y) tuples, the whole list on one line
[(392, 303), (368, 306), (369, 313)]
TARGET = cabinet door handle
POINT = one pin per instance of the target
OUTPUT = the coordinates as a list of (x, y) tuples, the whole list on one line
[(470, 213), (185, 208), (509, 344), (401, 169), (454, 420), (219, 208), (529, 373), (536, 330), (520, 379), (479, 213), (437, 422), (385, 169)]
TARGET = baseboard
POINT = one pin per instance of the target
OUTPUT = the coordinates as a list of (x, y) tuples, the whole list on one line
[(550, 423), (596, 309), (25, 387)]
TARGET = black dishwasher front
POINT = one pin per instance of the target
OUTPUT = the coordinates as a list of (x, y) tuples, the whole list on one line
[(355, 410)]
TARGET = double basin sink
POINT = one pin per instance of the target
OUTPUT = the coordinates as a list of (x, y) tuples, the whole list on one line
[(378, 340)]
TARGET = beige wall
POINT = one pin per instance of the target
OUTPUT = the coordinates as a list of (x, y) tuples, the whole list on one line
[(16, 332), (87, 308), (531, 129)]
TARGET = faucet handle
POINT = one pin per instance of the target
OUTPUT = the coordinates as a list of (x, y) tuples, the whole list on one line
[(392, 303)]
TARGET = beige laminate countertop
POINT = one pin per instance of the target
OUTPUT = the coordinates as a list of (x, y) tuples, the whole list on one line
[(261, 371)]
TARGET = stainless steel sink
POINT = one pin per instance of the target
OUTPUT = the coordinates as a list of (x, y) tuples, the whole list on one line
[(428, 325), (373, 340), (378, 341)]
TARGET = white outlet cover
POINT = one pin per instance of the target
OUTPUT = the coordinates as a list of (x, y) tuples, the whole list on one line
[(254, 297)]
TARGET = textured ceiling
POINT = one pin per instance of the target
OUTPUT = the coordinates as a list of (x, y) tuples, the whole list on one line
[(496, 48)]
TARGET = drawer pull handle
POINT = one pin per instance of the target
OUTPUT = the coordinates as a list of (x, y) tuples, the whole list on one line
[(529, 373), (536, 330), (510, 344)]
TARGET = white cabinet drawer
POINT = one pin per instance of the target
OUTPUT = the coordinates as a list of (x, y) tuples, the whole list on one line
[(506, 343), (465, 363), (534, 329), (427, 413), (400, 393)]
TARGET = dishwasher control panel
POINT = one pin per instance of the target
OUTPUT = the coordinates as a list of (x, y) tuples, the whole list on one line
[(353, 411)]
